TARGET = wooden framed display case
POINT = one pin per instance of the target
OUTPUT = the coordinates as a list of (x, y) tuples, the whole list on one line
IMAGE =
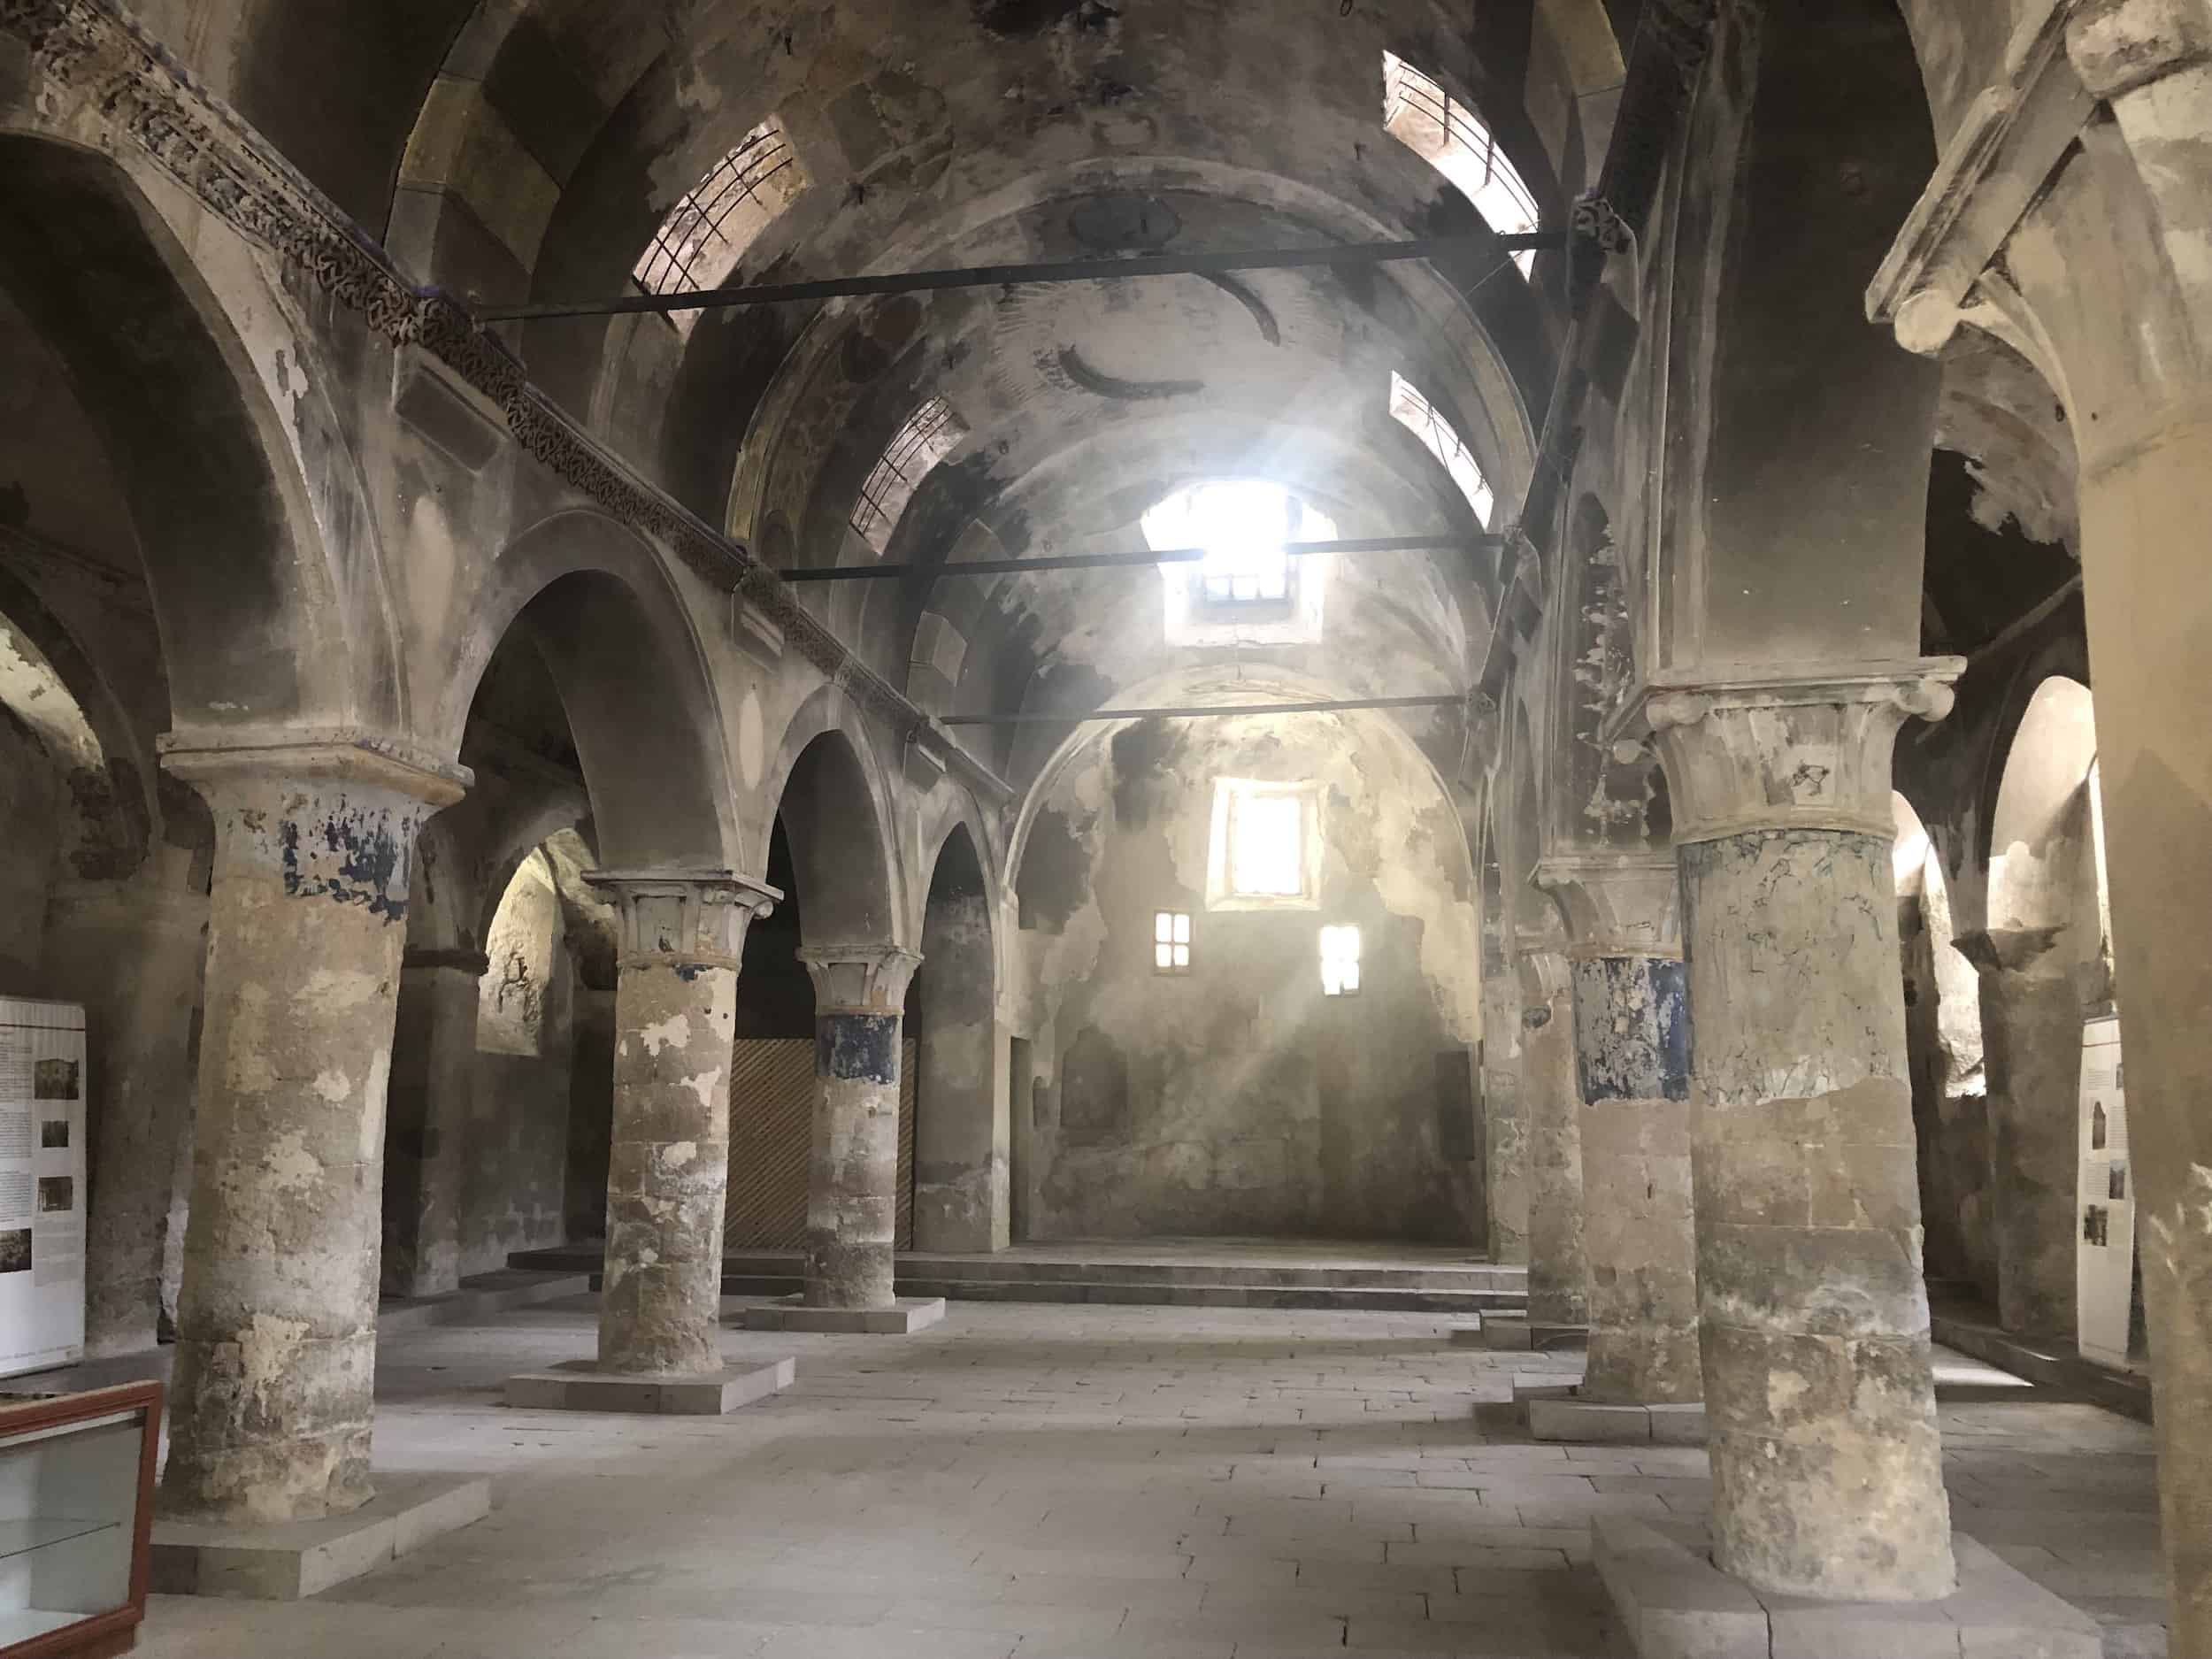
[(76, 1513)]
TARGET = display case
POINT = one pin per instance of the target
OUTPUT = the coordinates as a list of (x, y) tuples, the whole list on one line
[(76, 1510)]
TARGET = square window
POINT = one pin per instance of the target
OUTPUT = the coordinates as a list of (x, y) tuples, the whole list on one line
[(1171, 941), (1340, 961), (1266, 846)]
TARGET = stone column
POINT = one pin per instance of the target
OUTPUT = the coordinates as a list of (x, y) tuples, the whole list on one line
[(2031, 1050), (1558, 1275), (1631, 1053), (132, 953), (1813, 1316), (271, 1400), (680, 938), (852, 1180), (433, 1085), (1505, 1137)]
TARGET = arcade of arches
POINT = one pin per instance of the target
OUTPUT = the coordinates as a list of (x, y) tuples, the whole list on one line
[(515, 780)]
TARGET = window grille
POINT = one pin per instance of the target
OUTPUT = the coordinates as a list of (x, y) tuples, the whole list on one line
[(931, 433), (698, 244), (1428, 120), (1422, 420)]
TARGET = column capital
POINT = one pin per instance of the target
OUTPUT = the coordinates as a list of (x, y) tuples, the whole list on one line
[(227, 762), (683, 918), (860, 979), (1766, 749), (2118, 45), (1541, 965), (2009, 949), (1616, 904)]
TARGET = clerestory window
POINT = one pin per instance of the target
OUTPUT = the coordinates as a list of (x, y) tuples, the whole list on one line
[(1266, 851), (707, 232), (1246, 590), (1451, 138), (1340, 961), (1422, 420), (928, 435), (1171, 941)]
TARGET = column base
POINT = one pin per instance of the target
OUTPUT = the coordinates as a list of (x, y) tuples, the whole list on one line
[(904, 1317), (1507, 1330), (1676, 1604), (580, 1386), (293, 1559)]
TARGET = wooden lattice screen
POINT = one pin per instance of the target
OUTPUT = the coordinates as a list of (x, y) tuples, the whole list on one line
[(772, 1115)]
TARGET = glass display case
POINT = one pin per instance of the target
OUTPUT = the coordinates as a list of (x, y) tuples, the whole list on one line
[(76, 1510)]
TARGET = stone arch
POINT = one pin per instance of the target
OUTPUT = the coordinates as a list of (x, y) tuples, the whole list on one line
[(835, 817), (639, 696), (253, 631), (963, 1133), (2040, 829)]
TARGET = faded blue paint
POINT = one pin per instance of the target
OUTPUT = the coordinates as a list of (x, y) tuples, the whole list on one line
[(351, 856), (858, 1047), (1632, 1028)]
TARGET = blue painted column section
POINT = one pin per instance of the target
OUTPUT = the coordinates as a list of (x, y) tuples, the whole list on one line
[(1631, 1053), (852, 1177), (272, 1396)]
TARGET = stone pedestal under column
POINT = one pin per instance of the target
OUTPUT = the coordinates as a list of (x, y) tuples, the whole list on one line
[(682, 938), (2031, 1050), (271, 1399), (132, 953), (1631, 1051), (433, 1082), (1558, 1275), (1820, 1396), (852, 1178)]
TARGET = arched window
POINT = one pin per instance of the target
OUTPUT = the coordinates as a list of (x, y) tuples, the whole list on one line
[(1422, 419), (930, 434), (1246, 589), (1432, 123), (707, 232)]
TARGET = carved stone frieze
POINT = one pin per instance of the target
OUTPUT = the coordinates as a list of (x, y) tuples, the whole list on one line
[(95, 65)]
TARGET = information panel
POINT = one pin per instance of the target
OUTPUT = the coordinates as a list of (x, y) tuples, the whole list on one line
[(2105, 1258), (42, 1185)]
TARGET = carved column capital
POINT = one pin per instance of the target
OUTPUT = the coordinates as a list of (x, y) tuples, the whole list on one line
[(2010, 949), (683, 918), (1542, 971), (1758, 750), (239, 761), (1616, 904), (860, 979), (2118, 45)]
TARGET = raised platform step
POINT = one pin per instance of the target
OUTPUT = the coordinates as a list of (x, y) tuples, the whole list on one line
[(1177, 1279)]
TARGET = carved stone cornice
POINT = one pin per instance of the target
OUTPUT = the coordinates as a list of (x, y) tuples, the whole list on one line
[(1616, 904), (683, 919), (100, 69), (860, 979), (1998, 161), (1775, 751)]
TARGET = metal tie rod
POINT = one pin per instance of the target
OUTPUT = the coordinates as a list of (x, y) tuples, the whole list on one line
[(1207, 711), (985, 276), (1446, 543)]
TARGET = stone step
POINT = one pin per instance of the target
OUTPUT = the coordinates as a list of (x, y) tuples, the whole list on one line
[(485, 1295), (1476, 1290)]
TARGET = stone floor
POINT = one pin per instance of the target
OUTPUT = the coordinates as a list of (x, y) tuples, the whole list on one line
[(1089, 1482)]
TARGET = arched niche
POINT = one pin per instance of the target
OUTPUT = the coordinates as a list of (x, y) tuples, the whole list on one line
[(252, 627), (962, 1132)]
